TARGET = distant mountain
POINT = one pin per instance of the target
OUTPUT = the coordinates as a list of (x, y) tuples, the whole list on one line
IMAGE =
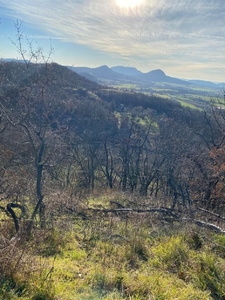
[(207, 83), (159, 76), (103, 72), (129, 71), (12, 60), (155, 75), (123, 74)]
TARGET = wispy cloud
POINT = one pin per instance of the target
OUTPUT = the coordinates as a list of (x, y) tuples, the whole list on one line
[(189, 30)]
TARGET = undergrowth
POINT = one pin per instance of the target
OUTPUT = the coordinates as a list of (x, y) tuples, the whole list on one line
[(115, 257)]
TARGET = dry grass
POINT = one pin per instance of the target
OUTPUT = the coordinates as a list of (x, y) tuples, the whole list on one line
[(110, 256)]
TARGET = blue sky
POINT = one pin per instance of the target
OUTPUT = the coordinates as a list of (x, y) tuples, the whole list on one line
[(185, 38)]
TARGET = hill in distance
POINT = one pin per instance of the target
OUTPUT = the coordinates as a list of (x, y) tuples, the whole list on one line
[(100, 73), (159, 76), (129, 71), (155, 83), (207, 83), (124, 74)]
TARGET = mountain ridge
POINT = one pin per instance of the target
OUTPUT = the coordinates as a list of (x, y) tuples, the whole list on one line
[(131, 74), (130, 71)]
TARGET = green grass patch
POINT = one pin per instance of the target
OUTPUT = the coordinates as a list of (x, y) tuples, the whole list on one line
[(112, 257)]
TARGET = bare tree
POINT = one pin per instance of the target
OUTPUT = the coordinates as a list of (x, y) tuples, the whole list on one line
[(32, 108)]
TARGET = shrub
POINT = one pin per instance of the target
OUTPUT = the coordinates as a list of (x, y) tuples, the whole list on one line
[(210, 276), (171, 253)]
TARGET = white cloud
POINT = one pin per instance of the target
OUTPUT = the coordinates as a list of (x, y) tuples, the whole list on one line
[(189, 30)]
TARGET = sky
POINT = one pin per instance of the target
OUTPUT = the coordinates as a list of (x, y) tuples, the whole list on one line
[(184, 38)]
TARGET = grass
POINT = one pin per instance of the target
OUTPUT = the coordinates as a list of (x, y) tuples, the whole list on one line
[(187, 104), (193, 97), (117, 257)]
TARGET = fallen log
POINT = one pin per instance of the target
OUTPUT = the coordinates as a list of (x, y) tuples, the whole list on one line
[(205, 225), (211, 213), (163, 210)]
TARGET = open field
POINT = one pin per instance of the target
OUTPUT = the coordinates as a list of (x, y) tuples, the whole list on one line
[(193, 96)]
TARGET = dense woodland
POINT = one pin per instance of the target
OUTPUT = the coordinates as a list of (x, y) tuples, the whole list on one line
[(61, 133)]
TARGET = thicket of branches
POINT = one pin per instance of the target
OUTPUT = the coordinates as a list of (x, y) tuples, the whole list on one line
[(62, 133)]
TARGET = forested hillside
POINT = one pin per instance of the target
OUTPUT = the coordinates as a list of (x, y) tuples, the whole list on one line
[(64, 138), (58, 128)]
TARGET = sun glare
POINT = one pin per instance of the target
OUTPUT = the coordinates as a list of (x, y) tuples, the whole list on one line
[(129, 3)]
